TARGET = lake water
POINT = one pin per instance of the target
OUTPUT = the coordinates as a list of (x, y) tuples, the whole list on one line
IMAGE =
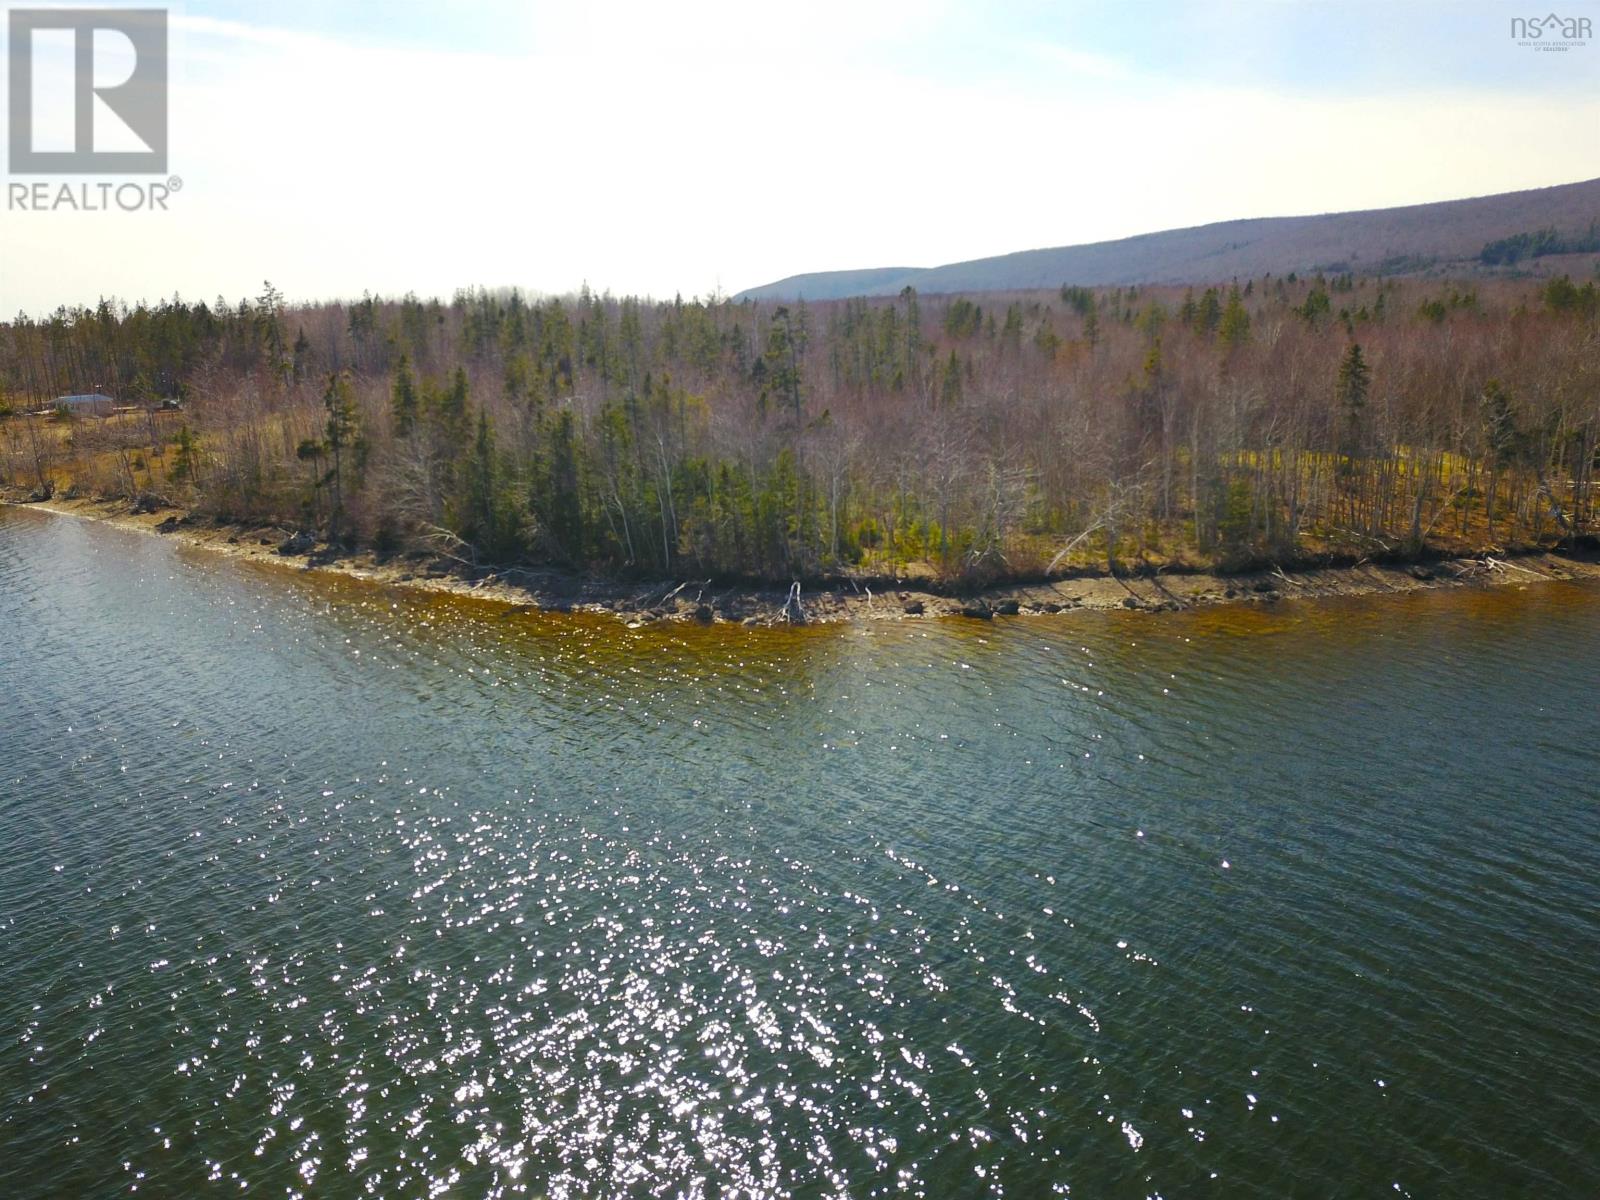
[(309, 887)]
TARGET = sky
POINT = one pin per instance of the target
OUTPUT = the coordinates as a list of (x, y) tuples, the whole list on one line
[(695, 148)]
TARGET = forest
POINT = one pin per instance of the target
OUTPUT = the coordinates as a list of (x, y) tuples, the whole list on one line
[(961, 440)]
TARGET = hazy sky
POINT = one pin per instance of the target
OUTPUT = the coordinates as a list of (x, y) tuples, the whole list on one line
[(681, 147)]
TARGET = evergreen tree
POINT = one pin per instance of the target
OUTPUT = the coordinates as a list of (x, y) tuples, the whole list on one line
[(339, 402), (403, 399), (1501, 439), (563, 501), (1234, 329), (185, 462), (1350, 393), (950, 382), (782, 361), (1188, 310), (1011, 334), (1316, 306), (1499, 423), (302, 354)]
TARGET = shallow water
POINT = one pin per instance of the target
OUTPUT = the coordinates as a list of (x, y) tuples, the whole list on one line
[(311, 887)]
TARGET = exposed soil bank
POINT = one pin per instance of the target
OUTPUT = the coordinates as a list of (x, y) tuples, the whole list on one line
[(662, 600)]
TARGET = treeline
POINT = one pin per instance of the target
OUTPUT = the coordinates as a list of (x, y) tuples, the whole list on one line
[(1508, 251), (973, 437)]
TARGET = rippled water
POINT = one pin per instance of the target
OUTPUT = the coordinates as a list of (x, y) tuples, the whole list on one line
[(312, 888)]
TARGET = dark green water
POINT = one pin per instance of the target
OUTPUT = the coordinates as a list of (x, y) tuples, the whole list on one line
[(310, 888)]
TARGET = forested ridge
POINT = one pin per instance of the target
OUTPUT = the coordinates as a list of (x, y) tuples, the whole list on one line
[(1549, 231), (964, 438)]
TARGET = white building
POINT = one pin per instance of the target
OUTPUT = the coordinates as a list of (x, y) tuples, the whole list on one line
[(91, 405)]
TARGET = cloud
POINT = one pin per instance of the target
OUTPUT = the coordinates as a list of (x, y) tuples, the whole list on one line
[(1084, 63)]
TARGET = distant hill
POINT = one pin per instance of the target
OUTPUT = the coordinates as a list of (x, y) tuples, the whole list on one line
[(1449, 236)]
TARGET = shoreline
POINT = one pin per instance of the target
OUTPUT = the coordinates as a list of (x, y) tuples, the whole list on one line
[(642, 602)]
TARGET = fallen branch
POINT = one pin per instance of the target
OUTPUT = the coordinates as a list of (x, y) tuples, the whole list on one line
[(704, 583), (1155, 578), (1496, 564), (1278, 571), (1072, 545), (504, 572)]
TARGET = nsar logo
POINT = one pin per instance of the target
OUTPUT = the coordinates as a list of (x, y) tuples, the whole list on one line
[(1551, 32)]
